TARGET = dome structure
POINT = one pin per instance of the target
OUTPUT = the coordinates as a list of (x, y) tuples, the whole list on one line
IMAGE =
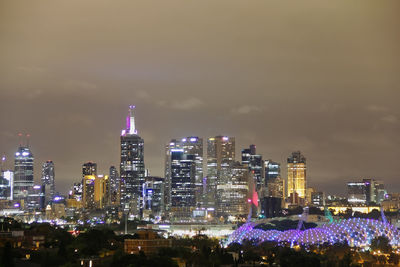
[(356, 232)]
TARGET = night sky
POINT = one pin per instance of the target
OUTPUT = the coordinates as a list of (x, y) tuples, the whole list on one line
[(322, 77)]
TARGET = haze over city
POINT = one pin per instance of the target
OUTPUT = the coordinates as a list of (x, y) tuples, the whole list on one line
[(320, 77)]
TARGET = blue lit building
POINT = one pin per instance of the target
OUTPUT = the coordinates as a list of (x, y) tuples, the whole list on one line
[(23, 173), (183, 196)]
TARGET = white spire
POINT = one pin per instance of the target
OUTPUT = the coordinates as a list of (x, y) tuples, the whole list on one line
[(130, 121)]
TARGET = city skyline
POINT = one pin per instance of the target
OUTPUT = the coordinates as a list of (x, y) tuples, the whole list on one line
[(324, 82), (238, 158)]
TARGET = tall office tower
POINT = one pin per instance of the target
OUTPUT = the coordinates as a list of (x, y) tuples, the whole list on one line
[(48, 181), (357, 193), (132, 170), (191, 145), (95, 191), (89, 168), (153, 196), (77, 191), (255, 165), (273, 180), (88, 192), (115, 186), (234, 192), (6, 184), (220, 160), (23, 173), (369, 190), (380, 192), (297, 179), (183, 197)]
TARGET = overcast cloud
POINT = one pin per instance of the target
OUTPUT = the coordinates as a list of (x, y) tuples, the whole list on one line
[(317, 76)]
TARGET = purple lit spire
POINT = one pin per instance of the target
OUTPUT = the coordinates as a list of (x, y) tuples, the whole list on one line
[(130, 122)]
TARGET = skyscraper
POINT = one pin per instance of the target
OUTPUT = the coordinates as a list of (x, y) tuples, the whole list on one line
[(357, 192), (183, 197), (191, 145), (115, 186), (153, 196), (132, 169), (95, 191), (273, 180), (232, 194), (89, 168), (23, 173), (220, 160), (48, 181), (255, 164), (297, 179), (6, 184)]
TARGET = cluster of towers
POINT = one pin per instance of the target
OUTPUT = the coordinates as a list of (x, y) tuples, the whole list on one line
[(18, 186), (202, 179)]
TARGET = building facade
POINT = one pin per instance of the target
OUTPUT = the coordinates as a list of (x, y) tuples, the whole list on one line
[(95, 192), (297, 176), (255, 164), (48, 180), (273, 180), (23, 173), (132, 168), (232, 195), (153, 196), (191, 145), (183, 187), (115, 186), (6, 184), (220, 161)]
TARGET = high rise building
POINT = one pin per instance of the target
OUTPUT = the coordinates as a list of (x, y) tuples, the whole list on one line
[(132, 169), (88, 192), (255, 164), (115, 186), (89, 168), (357, 193), (367, 191), (23, 173), (191, 145), (6, 184), (297, 178), (233, 193), (273, 180), (380, 192), (183, 196), (220, 160), (48, 181), (95, 191), (153, 196)]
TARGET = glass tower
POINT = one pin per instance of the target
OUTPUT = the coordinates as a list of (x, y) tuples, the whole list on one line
[(191, 145), (48, 181), (132, 169), (220, 160), (23, 173), (183, 169), (255, 164)]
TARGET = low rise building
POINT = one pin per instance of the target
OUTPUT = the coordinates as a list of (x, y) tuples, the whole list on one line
[(148, 241)]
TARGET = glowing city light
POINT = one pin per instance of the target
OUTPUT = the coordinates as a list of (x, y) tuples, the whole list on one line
[(355, 232)]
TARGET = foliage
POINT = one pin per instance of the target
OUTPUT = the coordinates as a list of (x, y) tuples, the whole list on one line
[(381, 243)]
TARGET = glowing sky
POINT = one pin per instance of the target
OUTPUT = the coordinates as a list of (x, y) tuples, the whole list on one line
[(317, 76)]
